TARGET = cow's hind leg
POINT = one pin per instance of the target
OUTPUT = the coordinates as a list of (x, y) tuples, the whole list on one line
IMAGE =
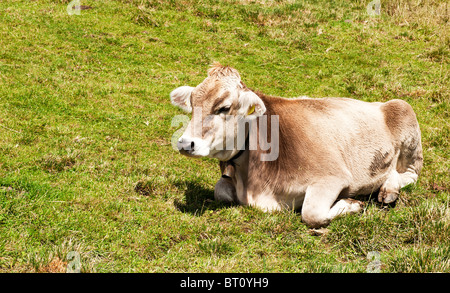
[(407, 171), (390, 189), (320, 205), (402, 122)]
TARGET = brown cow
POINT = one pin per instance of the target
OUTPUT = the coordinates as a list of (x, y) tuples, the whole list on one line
[(322, 152)]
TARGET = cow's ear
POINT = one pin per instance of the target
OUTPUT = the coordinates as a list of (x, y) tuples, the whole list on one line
[(181, 97), (251, 104)]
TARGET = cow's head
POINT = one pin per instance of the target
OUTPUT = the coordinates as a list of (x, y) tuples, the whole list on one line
[(218, 105)]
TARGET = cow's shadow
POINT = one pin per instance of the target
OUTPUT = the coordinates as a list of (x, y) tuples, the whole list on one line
[(197, 199), (372, 200)]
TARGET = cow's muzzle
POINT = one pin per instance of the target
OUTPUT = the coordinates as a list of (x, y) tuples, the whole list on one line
[(185, 146)]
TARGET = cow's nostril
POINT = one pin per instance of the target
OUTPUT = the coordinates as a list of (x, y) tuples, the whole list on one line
[(185, 145)]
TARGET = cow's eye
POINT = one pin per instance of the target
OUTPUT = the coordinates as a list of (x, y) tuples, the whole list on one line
[(223, 110)]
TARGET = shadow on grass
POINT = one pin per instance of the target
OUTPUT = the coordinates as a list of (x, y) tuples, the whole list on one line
[(197, 199), (372, 199)]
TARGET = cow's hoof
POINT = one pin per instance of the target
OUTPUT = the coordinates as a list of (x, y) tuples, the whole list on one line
[(387, 196)]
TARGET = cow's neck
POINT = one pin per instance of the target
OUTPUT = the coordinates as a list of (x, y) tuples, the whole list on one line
[(286, 164), (248, 167)]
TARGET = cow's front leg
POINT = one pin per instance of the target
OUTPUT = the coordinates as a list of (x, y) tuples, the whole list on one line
[(224, 190), (320, 205)]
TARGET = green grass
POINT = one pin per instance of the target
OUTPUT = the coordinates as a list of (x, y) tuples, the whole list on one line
[(86, 163)]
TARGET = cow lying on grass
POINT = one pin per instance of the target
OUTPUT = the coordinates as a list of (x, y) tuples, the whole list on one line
[(288, 153)]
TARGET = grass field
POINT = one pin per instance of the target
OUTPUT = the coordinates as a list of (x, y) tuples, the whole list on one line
[(86, 164)]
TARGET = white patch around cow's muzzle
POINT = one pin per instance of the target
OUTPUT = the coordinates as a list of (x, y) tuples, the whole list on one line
[(193, 147)]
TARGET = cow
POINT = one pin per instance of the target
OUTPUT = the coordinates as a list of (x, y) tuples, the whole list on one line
[(327, 151)]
